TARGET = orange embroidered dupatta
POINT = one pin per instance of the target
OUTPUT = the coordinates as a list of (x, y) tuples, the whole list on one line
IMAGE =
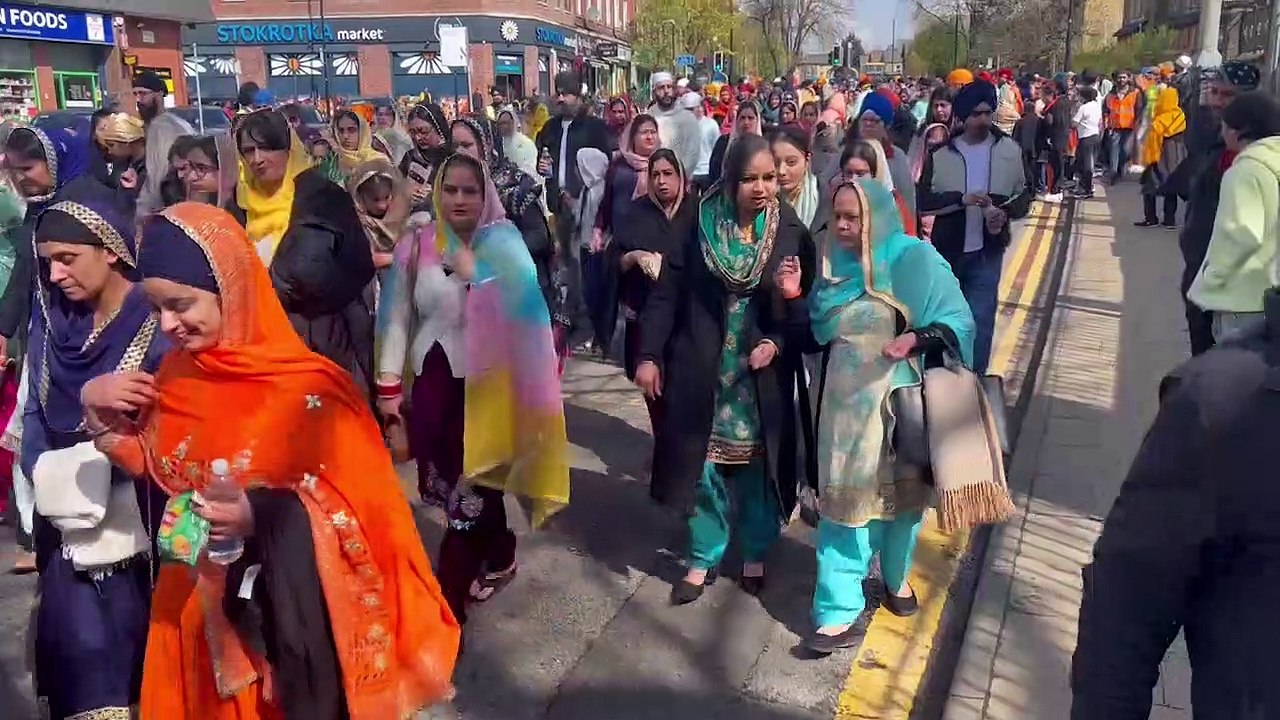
[(287, 418)]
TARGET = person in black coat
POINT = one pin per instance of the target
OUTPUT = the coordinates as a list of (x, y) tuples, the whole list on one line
[(1191, 545), (713, 335), (323, 274), (659, 224)]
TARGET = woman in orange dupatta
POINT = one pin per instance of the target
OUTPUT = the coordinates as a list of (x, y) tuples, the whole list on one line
[(344, 618)]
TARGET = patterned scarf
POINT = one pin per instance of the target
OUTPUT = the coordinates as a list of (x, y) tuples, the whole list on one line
[(737, 257)]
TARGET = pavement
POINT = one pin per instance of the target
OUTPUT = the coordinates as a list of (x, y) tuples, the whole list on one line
[(1117, 327), (586, 630)]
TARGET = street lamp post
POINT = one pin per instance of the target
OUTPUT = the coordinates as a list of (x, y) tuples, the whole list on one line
[(1068, 54)]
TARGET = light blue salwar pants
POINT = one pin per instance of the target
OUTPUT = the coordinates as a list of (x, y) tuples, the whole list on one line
[(757, 523), (844, 559)]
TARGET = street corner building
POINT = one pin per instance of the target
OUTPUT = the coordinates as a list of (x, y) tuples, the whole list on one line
[(339, 48), (81, 54)]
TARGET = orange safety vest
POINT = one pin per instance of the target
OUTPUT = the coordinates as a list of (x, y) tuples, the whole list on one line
[(1122, 112)]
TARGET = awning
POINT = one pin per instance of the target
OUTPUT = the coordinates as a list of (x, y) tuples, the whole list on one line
[(1133, 27)]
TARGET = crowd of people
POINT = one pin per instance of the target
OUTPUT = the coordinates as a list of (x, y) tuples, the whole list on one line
[(228, 340)]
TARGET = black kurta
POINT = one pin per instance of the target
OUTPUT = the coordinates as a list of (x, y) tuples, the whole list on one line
[(683, 332)]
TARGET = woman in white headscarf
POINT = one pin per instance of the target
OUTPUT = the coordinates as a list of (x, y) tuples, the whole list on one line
[(517, 146)]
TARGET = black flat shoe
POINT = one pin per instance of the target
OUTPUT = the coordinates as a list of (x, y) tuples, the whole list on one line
[(685, 592), (900, 606), (827, 644), (1146, 223), (751, 585)]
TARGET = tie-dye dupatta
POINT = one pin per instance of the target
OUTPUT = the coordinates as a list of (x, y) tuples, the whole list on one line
[(514, 432)]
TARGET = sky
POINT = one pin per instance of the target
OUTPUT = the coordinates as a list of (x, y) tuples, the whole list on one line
[(873, 21)]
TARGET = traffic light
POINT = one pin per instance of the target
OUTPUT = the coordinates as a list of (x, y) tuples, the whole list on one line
[(717, 60), (834, 57)]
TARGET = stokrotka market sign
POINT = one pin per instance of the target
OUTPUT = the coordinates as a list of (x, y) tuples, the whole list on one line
[(293, 33)]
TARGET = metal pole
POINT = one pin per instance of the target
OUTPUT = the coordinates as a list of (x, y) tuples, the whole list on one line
[(1068, 56), (1273, 50), (195, 59), (324, 60), (955, 47), (1210, 25)]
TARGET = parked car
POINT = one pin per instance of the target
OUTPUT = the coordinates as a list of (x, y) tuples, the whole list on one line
[(215, 120), (61, 118)]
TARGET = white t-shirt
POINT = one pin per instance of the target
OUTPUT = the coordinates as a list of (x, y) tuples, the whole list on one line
[(563, 165), (977, 179), (710, 134), (1088, 119)]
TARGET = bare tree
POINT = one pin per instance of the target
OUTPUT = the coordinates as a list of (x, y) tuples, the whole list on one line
[(1010, 32), (795, 22)]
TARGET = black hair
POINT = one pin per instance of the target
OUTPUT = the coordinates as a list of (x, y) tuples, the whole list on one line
[(1254, 115), (247, 91), (665, 154), (740, 154), (345, 115), (863, 150), (471, 163), (206, 144), (636, 122), (619, 100), (291, 111), (376, 186), (268, 128), (1088, 94), (794, 136), (180, 146), (812, 103), (24, 143), (97, 115)]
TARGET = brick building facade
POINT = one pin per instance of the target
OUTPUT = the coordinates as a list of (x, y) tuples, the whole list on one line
[(393, 47)]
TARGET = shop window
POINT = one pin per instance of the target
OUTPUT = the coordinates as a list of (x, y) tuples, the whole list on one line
[(345, 64), (18, 94), (211, 65), (72, 57), (16, 54), (420, 63), (293, 64)]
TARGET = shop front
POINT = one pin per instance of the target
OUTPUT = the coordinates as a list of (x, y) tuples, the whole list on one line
[(375, 57), (51, 58)]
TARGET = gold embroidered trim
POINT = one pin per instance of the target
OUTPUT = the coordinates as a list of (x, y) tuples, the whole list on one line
[(112, 713), (732, 452), (106, 232)]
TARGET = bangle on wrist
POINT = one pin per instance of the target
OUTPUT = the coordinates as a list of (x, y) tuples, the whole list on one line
[(387, 392), (95, 433)]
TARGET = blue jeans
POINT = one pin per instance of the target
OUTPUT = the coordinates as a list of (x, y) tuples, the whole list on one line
[(1118, 152), (979, 276)]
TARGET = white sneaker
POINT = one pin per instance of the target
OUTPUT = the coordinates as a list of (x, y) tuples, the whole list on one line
[(1052, 198)]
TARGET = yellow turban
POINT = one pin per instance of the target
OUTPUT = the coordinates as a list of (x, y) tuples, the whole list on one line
[(959, 77), (122, 128)]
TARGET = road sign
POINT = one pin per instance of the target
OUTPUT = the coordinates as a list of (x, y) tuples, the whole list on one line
[(685, 61)]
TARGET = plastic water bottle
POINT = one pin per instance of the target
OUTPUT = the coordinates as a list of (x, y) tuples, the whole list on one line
[(545, 155), (223, 488)]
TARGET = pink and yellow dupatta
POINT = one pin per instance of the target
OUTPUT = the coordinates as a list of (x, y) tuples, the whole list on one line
[(514, 431)]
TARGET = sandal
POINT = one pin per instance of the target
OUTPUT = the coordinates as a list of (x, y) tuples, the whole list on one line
[(490, 584)]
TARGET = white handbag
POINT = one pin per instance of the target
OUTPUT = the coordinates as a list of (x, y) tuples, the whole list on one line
[(73, 486), (100, 520)]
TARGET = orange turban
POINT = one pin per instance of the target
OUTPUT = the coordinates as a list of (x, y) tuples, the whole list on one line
[(959, 76)]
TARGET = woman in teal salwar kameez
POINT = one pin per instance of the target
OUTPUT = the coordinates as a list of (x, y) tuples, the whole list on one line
[(882, 301)]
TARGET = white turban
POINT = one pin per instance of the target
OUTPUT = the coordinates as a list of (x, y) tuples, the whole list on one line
[(690, 100), (661, 78), (682, 83)]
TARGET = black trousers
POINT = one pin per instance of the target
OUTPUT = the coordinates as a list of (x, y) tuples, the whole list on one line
[(1170, 209), (1086, 153)]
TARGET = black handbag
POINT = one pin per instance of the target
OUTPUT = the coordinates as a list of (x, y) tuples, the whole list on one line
[(911, 431)]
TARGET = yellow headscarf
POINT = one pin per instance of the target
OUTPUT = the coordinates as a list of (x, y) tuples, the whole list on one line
[(540, 117), (122, 128), (267, 216), (348, 160), (1167, 122)]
